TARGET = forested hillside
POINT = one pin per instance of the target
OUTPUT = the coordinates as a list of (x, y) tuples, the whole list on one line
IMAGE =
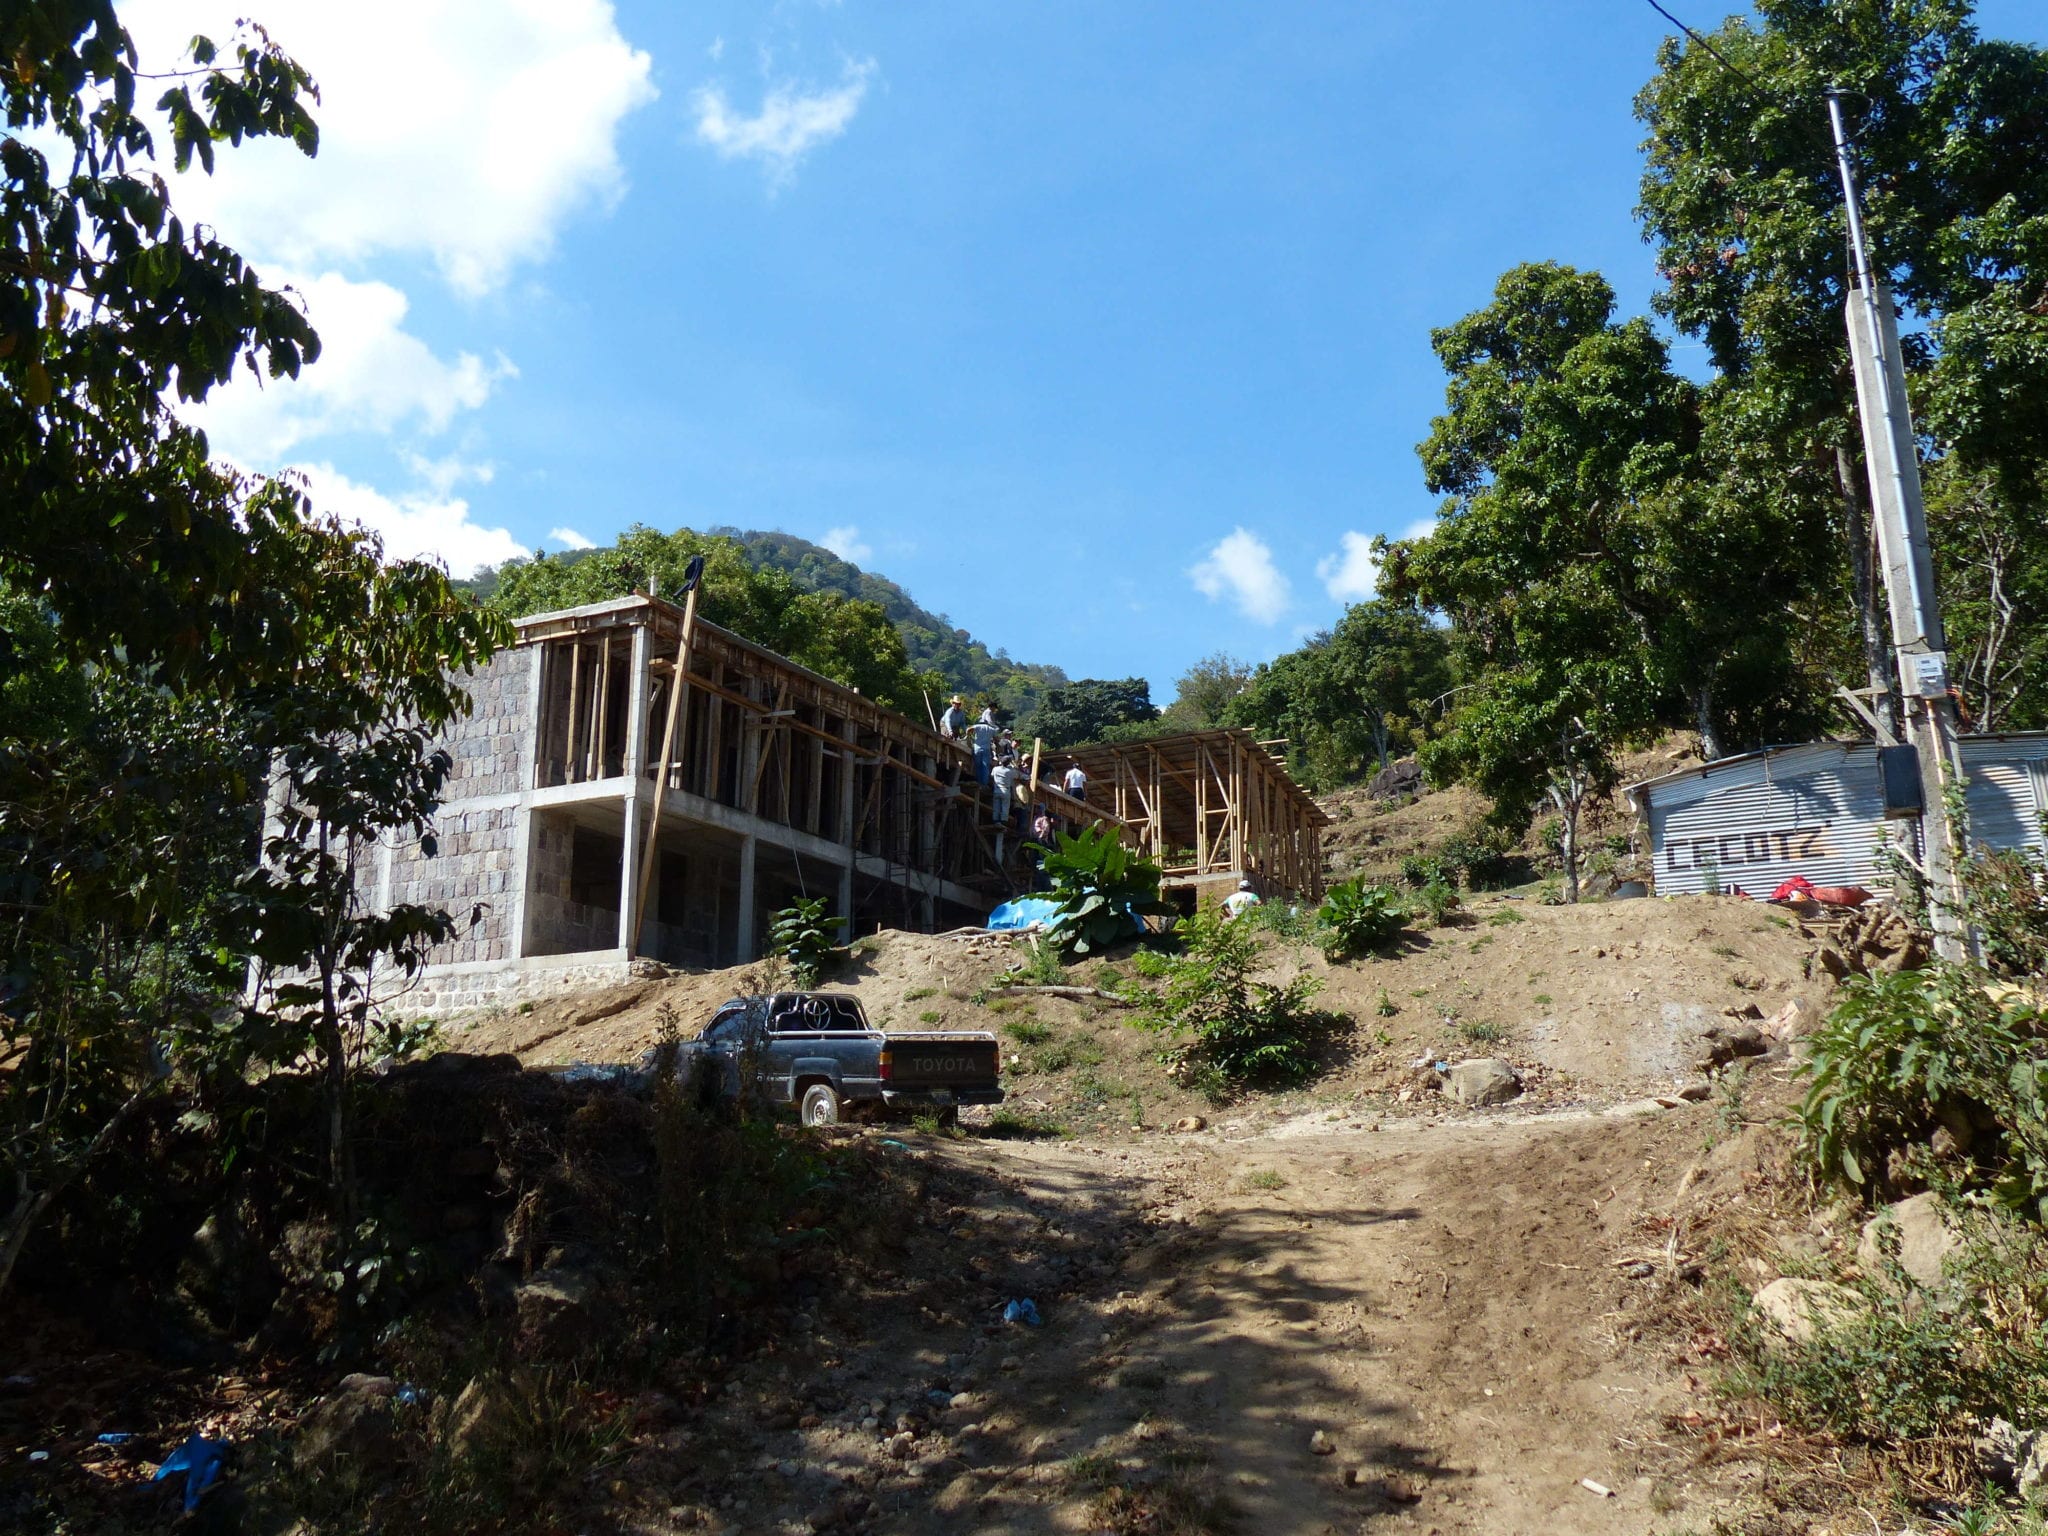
[(793, 596)]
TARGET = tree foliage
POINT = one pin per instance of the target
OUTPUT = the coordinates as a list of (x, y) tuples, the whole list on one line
[(1091, 709), (1353, 695), (849, 640)]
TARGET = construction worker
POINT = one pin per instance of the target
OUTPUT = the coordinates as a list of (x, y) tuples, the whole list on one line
[(982, 737), (954, 721), (1075, 782), (1003, 785), (1241, 900)]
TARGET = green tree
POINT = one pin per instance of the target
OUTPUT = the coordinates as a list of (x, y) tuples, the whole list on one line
[(850, 640), (1353, 695), (1741, 199), (1205, 692), (109, 305), (1089, 710), (1575, 460)]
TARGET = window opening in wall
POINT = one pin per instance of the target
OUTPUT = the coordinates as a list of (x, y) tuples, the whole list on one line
[(586, 686)]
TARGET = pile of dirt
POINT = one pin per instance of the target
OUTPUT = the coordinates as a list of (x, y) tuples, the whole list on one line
[(1586, 1002)]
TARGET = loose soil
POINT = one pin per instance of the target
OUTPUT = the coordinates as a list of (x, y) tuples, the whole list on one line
[(1471, 1308)]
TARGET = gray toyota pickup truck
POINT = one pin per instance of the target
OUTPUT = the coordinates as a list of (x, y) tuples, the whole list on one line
[(816, 1051)]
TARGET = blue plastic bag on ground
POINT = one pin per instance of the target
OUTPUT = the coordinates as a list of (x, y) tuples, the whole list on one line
[(1023, 1311), (200, 1460)]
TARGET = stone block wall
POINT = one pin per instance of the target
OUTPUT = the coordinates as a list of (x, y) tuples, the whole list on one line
[(472, 866), (556, 924), (487, 746)]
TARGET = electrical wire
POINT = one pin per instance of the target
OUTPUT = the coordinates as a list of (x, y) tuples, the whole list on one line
[(1720, 57)]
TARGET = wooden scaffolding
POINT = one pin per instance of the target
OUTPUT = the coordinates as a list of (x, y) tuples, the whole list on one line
[(1213, 808)]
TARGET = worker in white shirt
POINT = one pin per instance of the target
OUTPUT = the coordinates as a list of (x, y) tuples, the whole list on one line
[(1075, 781), (982, 737), (1241, 900), (1003, 782)]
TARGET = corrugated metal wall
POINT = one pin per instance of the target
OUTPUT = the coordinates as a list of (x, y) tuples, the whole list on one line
[(1754, 822), (1818, 811), (2008, 791)]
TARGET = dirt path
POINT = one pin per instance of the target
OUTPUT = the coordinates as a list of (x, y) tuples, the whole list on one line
[(1439, 1300)]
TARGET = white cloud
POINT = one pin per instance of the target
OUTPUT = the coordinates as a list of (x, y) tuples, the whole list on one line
[(571, 538), (1241, 567), (414, 524), (1352, 574), (846, 544), (372, 376), (789, 125), (462, 130)]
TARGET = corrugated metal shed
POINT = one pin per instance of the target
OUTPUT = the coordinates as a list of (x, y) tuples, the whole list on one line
[(1817, 810)]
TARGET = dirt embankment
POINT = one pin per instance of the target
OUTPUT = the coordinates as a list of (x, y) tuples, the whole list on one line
[(1590, 1002)]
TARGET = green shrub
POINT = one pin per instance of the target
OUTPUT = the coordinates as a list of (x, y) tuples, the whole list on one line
[(1893, 1369), (1243, 1033), (2002, 890), (1028, 1032), (1357, 916), (1439, 900), (1101, 890), (1483, 856), (1905, 1053), (1420, 869), (803, 935)]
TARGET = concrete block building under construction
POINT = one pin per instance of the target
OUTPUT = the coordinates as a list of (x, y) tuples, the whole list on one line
[(779, 783)]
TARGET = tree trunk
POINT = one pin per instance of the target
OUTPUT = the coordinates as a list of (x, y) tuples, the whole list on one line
[(29, 1205), (1711, 745), (1567, 798), (1870, 610)]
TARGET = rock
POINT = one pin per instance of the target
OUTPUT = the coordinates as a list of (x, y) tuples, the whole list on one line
[(1693, 1093), (1795, 1021), (225, 1274), (824, 1518), (556, 1312), (481, 1419), (1728, 1042), (1400, 1490), (369, 1386), (1399, 780), (1633, 1107), (2017, 1458), (1801, 1310), (1320, 1444), (1483, 1080), (1190, 1123), (351, 1434), (899, 1445), (1925, 1238)]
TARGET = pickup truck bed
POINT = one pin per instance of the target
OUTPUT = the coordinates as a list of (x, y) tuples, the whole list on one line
[(816, 1052)]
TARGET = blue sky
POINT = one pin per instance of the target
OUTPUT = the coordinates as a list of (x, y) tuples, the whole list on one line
[(1102, 328)]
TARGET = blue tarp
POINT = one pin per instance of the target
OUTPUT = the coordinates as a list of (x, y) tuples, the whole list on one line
[(1023, 912)]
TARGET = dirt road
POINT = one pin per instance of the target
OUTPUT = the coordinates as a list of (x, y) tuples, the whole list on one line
[(1330, 1325)]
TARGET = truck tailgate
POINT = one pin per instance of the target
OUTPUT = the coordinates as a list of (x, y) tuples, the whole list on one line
[(940, 1059)]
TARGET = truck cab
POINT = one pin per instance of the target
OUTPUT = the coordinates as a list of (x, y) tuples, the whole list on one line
[(816, 1052)]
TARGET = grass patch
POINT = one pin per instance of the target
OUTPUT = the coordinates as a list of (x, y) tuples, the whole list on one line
[(1505, 917), (1028, 1031), (919, 994), (1265, 1178), (1482, 1031), (1542, 999), (930, 1016), (1017, 1125), (1725, 951)]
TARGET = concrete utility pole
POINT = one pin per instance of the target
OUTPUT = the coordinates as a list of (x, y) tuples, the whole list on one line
[(1893, 461)]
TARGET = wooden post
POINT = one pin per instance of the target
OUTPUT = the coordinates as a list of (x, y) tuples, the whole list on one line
[(668, 744), (600, 697), (1037, 746), (575, 697)]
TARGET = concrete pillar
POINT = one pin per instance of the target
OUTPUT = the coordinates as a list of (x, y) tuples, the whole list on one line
[(630, 924), (846, 902), (847, 829), (636, 703), (743, 931)]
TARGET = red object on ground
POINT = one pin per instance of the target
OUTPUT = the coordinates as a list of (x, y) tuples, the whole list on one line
[(1841, 895), (1798, 885)]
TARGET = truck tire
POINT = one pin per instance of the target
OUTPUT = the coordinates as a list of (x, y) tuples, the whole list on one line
[(820, 1105)]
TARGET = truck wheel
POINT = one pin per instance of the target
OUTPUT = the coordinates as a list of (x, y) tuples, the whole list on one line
[(820, 1105)]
